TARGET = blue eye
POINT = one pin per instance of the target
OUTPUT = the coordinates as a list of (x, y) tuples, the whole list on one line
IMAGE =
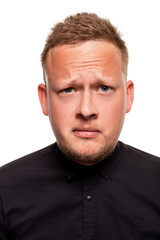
[(68, 90), (104, 88)]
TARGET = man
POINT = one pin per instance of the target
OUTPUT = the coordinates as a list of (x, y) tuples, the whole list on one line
[(88, 185)]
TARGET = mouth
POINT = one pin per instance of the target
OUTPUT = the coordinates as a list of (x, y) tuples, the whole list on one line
[(86, 132)]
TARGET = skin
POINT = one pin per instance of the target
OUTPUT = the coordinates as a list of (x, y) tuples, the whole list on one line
[(86, 97)]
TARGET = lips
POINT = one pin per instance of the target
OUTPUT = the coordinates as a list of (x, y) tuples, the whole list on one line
[(86, 132)]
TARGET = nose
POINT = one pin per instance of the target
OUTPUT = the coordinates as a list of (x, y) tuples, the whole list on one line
[(86, 109)]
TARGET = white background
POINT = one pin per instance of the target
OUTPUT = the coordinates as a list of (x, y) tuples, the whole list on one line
[(24, 25)]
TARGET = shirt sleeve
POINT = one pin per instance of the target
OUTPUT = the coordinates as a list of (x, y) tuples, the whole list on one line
[(3, 232)]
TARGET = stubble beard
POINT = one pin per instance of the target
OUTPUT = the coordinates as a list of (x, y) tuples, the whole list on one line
[(87, 159)]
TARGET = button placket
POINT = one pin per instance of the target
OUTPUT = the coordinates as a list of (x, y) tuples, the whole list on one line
[(89, 209)]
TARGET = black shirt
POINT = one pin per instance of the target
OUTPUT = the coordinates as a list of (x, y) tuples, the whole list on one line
[(45, 196)]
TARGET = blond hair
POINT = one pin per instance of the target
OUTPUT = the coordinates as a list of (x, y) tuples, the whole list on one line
[(84, 27)]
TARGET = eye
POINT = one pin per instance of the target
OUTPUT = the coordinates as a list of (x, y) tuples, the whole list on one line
[(68, 90), (104, 88)]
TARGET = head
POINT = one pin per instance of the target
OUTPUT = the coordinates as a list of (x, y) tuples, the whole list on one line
[(85, 94)]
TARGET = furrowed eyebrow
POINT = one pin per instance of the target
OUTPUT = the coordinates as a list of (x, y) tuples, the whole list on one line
[(67, 83), (100, 82), (96, 81), (64, 84)]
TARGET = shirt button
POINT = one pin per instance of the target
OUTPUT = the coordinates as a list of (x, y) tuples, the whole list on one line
[(89, 198)]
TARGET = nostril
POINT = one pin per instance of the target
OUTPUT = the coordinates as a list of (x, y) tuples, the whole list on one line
[(87, 117)]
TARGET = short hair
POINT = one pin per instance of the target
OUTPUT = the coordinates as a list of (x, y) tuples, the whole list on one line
[(84, 27)]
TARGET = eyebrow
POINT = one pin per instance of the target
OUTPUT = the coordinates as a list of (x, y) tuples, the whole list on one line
[(96, 80), (78, 83)]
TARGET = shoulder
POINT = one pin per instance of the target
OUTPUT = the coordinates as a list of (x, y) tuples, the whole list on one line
[(30, 159), (140, 162), (40, 159), (138, 154)]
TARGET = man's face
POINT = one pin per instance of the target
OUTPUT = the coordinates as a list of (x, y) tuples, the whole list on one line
[(86, 98)]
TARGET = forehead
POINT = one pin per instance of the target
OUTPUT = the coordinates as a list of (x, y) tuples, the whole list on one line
[(90, 55)]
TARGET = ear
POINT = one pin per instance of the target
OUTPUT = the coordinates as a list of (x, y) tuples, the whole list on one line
[(42, 93), (130, 95)]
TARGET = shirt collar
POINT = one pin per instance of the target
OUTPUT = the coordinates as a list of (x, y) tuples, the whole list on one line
[(104, 168), (107, 166)]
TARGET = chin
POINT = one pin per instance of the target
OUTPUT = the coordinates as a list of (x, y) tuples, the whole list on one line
[(87, 154)]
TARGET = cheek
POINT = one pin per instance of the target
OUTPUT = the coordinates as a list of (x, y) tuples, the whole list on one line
[(60, 115), (114, 112), (119, 114)]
